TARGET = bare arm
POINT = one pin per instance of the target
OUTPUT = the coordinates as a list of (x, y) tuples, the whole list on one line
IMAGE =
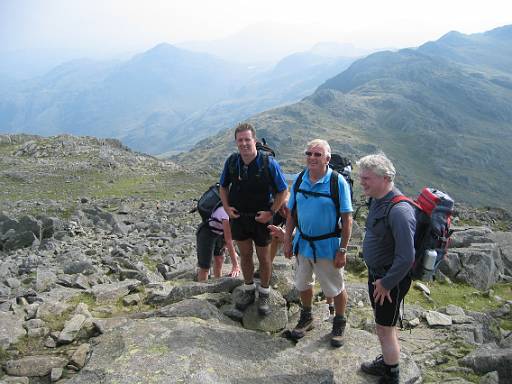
[(229, 242), (287, 241), (224, 197), (346, 231), (266, 216)]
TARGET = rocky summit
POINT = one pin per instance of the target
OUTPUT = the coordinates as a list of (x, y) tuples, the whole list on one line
[(97, 286)]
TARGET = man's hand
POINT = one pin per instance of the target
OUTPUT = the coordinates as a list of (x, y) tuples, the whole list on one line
[(263, 217), (380, 293), (340, 260), (287, 248), (276, 232), (232, 213)]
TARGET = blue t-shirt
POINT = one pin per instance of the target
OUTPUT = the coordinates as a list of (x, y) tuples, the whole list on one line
[(317, 214)]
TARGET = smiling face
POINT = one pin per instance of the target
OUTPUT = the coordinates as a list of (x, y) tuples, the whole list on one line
[(246, 144), (373, 185), (317, 159)]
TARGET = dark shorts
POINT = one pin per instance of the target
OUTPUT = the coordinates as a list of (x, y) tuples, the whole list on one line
[(208, 245), (388, 313), (246, 227)]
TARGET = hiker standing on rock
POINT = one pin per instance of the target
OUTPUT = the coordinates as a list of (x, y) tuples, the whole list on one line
[(388, 250), (318, 199), (249, 180)]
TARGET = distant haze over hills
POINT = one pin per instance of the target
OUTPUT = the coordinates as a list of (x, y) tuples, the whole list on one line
[(270, 42), (442, 113), (164, 99)]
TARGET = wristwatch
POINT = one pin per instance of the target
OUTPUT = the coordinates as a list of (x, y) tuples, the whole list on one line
[(342, 250)]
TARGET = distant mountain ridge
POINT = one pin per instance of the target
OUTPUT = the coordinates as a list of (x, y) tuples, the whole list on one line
[(161, 100), (442, 112)]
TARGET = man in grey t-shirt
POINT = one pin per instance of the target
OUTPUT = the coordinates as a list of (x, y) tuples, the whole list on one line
[(388, 250)]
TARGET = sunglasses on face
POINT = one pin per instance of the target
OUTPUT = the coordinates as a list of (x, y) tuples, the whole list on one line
[(316, 154)]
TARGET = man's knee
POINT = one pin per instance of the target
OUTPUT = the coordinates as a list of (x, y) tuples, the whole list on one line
[(385, 332)]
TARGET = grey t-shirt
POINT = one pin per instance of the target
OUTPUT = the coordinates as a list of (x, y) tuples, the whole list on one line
[(388, 250)]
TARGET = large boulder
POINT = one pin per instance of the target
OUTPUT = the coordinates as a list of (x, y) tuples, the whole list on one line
[(11, 328), (34, 366), (476, 266), (504, 242), (489, 359), (199, 351)]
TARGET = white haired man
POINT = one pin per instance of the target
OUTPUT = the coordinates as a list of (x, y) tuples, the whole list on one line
[(320, 246), (388, 250)]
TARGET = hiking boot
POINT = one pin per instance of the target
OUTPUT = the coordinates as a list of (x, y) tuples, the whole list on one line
[(305, 324), (392, 378), (264, 304), (375, 367), (245, 299), (338, 328)]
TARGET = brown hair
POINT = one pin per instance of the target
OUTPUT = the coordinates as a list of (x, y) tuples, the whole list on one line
[(242, 127)]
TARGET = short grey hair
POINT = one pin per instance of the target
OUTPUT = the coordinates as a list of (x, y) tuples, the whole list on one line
[(320, 143), (379, 164)]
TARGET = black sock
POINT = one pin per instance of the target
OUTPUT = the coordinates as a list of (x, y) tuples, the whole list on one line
[(392, 370)]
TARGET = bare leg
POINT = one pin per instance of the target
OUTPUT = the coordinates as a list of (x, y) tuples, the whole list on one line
[(340, 303), (388, 339), (202, 274), (263, 254), (306, 298), (246, 261), (217, 265), (274, 247)]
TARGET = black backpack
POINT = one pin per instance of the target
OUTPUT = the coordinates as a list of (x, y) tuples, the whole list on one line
[(334, 195), (208, 203), (434, 210), (343, 166)]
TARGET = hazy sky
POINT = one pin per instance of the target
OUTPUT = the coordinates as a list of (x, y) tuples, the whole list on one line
[(108, 26)]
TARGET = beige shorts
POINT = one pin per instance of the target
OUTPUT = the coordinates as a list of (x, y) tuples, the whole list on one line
[(330, 278)]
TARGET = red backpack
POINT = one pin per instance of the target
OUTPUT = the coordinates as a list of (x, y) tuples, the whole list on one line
[(434, 210)]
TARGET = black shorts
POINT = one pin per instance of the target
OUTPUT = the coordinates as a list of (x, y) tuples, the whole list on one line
[(245, 227), (208, 244), (388, 313)]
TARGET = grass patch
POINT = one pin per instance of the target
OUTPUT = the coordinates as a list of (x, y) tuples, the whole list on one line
[(4, 356), (462, 295), (448, 363), (150, 263), (29, 345), (84, 297)]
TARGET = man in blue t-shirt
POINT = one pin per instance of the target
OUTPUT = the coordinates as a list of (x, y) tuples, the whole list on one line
[(252, 189), (316, 243)]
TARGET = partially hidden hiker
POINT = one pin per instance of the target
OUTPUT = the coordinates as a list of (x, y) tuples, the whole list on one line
[(319, 198), (388, 250), (252, 189), (213, 238)]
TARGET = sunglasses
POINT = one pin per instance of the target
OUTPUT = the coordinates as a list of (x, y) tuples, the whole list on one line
[(316, 154)]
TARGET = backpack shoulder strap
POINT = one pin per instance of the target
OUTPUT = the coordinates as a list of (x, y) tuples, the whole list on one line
[(335, 196), (296, 187), (397, 199), (266, 170), (233, 167)]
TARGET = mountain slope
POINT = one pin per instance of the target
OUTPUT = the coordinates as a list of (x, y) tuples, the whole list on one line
[(443, 115), (160, 100)]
